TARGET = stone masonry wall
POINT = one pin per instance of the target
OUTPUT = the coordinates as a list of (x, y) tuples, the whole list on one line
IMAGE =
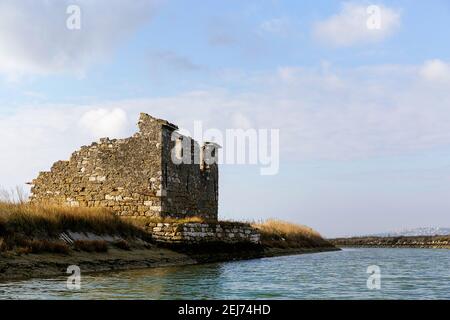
[(189, 187), (191, 232), (133, 177)]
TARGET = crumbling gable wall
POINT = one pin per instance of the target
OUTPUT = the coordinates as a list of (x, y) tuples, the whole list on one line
[(133, 177), (190, 188)]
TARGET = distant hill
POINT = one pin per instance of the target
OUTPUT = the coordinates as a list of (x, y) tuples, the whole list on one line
[(424, 231)]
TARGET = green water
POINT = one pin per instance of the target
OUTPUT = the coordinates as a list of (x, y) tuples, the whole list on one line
[(405, 274)]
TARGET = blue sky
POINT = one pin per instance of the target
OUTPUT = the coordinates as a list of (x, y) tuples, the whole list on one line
[(363, 114)]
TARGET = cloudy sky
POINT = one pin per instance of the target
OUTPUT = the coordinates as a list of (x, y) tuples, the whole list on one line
[(363, 113)]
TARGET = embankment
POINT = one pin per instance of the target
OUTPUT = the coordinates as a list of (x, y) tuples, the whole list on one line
[(44, 241), (435, 242)]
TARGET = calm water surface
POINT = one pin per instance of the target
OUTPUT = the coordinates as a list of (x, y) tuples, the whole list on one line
[(405, 274)]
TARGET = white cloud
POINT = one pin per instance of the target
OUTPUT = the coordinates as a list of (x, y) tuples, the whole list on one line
[(34, 38), (34, 137), (241, 121), (350, 25), (322, 113), (105, 123), (277, 26), (436, 70), (174, 61)]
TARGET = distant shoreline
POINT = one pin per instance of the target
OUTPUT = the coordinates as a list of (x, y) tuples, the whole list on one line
[(432, 242)]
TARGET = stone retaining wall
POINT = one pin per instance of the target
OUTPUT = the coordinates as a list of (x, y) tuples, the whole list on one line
[(203, 232)]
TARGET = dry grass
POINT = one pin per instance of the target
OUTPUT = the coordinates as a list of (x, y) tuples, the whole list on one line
[(281, 234), (40, 246), (3, 245), (28, 228), (91, 245), (15, 195), (122, 244), (48, 220), (275, 226), (22, 245)]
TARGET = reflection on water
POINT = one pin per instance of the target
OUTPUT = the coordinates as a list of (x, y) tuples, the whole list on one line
[(405, 274)]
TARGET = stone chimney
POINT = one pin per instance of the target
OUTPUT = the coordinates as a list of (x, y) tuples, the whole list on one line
[(209, 154)]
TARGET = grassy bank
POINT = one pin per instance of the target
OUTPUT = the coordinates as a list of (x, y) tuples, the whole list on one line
[(27, 228), (33, 242), (284, 235), (30, 243)]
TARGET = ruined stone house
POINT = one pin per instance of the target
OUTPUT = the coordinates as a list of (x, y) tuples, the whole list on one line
[(137, 176)]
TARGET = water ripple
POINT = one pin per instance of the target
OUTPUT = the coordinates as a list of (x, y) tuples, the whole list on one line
[(405, 274)]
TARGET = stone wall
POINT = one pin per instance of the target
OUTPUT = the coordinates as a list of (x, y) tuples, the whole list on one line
[(194, 232), (189, 187), (133, 177)]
